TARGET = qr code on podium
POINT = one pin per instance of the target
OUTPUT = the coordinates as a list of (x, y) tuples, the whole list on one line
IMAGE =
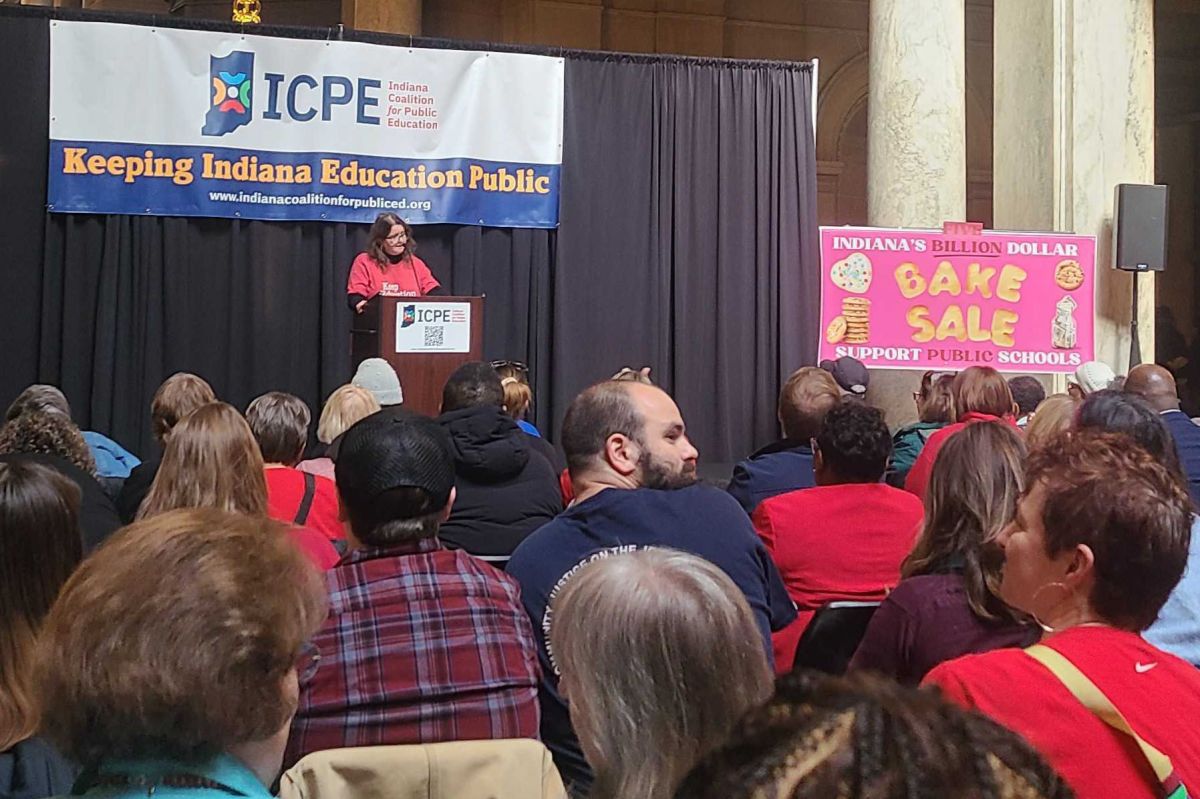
[(435, 336)]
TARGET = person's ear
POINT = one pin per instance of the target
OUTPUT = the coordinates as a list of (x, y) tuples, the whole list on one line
[(449, 503), (622, 453), (1081, 566)]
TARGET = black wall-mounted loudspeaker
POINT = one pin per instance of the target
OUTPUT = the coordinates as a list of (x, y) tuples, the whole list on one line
[(1140, 228)]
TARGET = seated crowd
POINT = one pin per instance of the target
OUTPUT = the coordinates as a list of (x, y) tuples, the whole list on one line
[(1002, 598)]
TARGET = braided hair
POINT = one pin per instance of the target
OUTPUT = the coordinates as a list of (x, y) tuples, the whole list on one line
[(861, 737)]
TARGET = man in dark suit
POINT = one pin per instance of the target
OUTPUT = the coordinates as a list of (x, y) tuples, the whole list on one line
[(1156, 385)]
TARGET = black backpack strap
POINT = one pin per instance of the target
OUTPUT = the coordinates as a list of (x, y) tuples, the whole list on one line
[(310, 488)]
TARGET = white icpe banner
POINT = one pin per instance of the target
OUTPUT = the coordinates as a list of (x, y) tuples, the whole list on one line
[(166, 121), (433, 327)]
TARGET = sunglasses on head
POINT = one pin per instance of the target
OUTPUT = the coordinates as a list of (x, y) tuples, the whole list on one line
[(520, 367)]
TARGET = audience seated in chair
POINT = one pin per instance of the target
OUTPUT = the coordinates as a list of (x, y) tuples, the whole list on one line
[(1099, 541), (1156, 386), (39, 548), (980, 395), (935, 409), (179, 395), (1177, 628), (659, 656), (787, 464), (279, 422), (51, 439), (423, 644), (946, 605), (213, 461), (860, 737), (513, 768), (505, 488), (172, 660), (832, 636), (634, 476), (845, 538), (345, 406), (111, 459)]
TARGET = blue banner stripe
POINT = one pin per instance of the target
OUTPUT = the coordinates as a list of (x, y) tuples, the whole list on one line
[(173, 180)]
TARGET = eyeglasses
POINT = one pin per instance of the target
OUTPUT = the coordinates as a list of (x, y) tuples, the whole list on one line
[(520, 367), (307, 661)]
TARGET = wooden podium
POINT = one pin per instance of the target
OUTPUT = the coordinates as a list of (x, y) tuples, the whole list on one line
[(424, 339)]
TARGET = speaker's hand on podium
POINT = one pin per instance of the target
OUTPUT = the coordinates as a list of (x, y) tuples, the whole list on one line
[(359, 308)]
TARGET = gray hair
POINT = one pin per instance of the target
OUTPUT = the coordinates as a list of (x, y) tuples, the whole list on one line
[(660, 656), (38, 398)]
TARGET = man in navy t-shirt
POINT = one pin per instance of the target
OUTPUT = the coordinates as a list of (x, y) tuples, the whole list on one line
[(634, 476)]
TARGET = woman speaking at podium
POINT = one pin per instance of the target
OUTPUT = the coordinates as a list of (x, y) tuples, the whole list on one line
[(389, 267)]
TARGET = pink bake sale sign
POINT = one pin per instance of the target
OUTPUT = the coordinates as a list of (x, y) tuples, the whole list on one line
[(952, 298)]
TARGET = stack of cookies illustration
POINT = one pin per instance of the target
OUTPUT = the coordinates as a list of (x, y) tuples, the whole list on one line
[(851, 274)]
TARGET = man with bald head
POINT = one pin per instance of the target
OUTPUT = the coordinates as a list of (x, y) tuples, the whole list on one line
[(633, 471), (1156, 386)]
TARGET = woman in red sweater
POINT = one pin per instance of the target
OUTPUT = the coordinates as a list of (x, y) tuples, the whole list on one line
[(980, 394), (389, 266)]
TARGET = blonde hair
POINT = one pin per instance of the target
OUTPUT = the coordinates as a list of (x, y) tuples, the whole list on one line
[(660, 656), (211, 461), (346, 405), (1053, 415), (518, 396)]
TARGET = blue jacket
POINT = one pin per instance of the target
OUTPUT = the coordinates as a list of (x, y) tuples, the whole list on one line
[(775, 469), (112, 460), (1187, 443), (224, 769), (1177, 629)]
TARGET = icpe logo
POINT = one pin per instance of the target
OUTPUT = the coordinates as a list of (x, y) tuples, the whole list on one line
[(410, 316), (231, 77)]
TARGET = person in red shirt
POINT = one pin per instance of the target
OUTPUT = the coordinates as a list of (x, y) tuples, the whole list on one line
[(212, 461), (1099, 541), (280, 422), (389, 266), (980, 394), (845, 538)]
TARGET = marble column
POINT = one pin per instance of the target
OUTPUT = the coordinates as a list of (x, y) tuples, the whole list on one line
[(916, 140), (385, 16), (1074, 116)]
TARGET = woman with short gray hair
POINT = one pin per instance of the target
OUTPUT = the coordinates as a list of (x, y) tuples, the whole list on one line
[(659, 657)]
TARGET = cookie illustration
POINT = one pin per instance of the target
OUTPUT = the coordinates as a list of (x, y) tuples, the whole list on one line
[(836, 330), (852, 273), (857, 313), (1068, 275)]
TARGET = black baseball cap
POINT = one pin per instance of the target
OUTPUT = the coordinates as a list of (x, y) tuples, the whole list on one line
[(849, 373), (383, 452)]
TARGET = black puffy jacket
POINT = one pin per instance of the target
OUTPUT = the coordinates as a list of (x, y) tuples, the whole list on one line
[(505, 489)]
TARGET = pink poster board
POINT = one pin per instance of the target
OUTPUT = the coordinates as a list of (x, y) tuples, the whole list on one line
[(930, 299)]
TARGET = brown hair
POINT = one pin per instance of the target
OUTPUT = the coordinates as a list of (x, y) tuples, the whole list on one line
[(345, 406), (804, 400), (981, 389), (1134, 513), (935, 398), (279, 422), (864, 737), (179, 395), (47, 433), (40, 398), (173, 638), (684, 631), (380, 229), (211, 461), (39, 548), (518, 395), (972, 496), (1052, 415)]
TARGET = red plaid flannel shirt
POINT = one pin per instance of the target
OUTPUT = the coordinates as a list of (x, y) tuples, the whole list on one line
[(422, 644)]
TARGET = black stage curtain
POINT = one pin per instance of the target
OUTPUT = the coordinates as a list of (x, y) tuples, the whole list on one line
[(687, 242)]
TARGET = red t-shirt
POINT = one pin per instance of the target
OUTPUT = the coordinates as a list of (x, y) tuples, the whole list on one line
[(1157, 693), (408, 278), (315, 546), (840, 542), (918, 475), (285, 490)]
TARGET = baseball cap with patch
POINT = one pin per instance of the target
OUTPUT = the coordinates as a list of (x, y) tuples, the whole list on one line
[(849, 373), (383, 452)]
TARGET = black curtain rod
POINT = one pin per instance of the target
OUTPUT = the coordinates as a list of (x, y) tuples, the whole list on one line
[(340, 33)]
